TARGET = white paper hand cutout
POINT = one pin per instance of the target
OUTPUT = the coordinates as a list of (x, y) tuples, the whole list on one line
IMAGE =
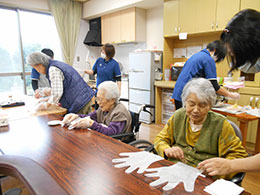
[(175, 174), (135, 160)]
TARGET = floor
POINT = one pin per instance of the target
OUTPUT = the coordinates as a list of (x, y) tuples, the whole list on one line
[(251, 182)]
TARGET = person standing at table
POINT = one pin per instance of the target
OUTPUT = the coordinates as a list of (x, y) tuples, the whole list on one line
[(202, 64), (242, 39), (40, 80), (106, 68), (67, 87)]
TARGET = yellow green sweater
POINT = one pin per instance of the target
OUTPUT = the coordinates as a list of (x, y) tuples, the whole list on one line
[(216, 139)]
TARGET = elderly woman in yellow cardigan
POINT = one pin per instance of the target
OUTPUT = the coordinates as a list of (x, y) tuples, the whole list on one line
[(195, 133)]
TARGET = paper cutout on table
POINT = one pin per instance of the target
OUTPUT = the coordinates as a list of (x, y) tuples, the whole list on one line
[(175, 174), (136, 160), (234, 85), (223, 187)]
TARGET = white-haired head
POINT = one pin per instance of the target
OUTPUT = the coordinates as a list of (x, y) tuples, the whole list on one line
[(202, 88), (111, 90), (36, 58)]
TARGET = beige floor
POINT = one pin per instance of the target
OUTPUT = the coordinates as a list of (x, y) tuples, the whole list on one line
[(251, 182)]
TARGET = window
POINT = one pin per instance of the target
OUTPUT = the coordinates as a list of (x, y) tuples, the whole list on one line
[(23, 32)]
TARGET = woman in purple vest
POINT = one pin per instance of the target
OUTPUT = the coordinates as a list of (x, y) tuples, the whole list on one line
[(67, 87), (110, 118)]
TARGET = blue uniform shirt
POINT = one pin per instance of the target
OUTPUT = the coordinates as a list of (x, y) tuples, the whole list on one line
[(106, 70), (35, 75), (200, 64)]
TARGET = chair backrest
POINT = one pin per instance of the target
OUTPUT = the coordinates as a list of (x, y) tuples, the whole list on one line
[(236, 129), (135, 125)]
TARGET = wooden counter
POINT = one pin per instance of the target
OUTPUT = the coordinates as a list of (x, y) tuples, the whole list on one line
[(159, 85)]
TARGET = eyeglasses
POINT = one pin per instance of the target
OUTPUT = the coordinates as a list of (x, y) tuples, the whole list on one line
[(99, 99)]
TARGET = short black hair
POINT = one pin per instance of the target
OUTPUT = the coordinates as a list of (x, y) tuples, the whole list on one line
[(218, 47), (242, 36), (48, 52), (109, 50)]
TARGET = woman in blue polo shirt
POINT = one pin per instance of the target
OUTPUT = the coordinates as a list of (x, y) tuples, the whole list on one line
[(202, 64), (106, 68)]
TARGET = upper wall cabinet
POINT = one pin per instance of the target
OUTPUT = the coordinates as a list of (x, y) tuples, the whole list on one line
[(124, 26), (253, 4), (197, 16)]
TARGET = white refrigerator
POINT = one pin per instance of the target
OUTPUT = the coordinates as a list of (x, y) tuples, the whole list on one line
[(142, 66)]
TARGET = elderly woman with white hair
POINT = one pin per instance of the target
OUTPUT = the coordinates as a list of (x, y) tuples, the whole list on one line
[(195, 133), (110, 118), (67, 87)]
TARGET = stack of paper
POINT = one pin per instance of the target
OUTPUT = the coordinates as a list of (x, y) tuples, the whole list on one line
[(223, 187)]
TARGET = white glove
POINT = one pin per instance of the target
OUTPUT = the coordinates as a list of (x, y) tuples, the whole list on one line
[(41, 106), (80, 123), (68, 118), (175, 174), (234, 95), (140, 160)]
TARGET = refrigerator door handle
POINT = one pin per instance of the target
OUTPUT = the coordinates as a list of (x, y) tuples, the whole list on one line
[(134, 70)]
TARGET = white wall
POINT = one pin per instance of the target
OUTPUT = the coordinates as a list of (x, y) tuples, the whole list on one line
[(154, 28)]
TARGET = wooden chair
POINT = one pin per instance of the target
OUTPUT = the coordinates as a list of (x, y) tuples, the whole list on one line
[(34, 177)]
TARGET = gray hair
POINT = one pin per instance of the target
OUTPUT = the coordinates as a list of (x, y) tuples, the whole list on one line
[(36, 58), (202, 88), (111, 90)]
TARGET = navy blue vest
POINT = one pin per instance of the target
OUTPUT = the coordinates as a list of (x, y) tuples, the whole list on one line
[(76, 92)]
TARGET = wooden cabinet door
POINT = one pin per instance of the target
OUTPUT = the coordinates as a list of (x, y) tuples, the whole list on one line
[(127, 25), (253, 4), (205, 15), (187, 15), (105, 29), (115, 27), (170, 18), (225, 11)]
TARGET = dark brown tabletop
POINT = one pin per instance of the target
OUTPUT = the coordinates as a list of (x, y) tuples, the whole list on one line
[(81, 160)]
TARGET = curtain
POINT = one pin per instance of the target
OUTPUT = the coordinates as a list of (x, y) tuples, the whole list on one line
[(67, 16)]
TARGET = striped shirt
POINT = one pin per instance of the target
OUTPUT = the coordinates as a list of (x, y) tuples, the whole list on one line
[(56, 78)]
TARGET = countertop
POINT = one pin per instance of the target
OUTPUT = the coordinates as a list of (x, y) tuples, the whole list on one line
[(165, 84)]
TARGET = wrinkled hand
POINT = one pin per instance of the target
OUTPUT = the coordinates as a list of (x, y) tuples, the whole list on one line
[(216, 166), (82, 123), (135, 160), (42, 106), (68, 118), (234, 95), (174, 152), (175, 174), (37, 94)]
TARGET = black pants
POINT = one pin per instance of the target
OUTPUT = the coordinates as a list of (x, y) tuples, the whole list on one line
[(178, 104)]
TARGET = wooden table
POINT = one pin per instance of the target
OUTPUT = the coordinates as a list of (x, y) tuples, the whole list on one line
[(244, 119), (81, 160), (28, 110)]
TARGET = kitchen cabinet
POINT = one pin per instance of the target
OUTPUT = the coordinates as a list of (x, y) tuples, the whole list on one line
[(198, 16), (171, 18), (124, 26), (252, 4)]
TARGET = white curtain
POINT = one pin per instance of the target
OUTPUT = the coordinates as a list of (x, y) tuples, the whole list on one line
[(67, 16)]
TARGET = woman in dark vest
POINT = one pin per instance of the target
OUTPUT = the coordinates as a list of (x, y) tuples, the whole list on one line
[(194, 133), (110, 118), (67, 87)]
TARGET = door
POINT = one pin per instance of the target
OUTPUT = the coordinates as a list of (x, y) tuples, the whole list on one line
[(187, 16), (252, 4), (225, 11), (127, 25), (170, 18), (140, 70)]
